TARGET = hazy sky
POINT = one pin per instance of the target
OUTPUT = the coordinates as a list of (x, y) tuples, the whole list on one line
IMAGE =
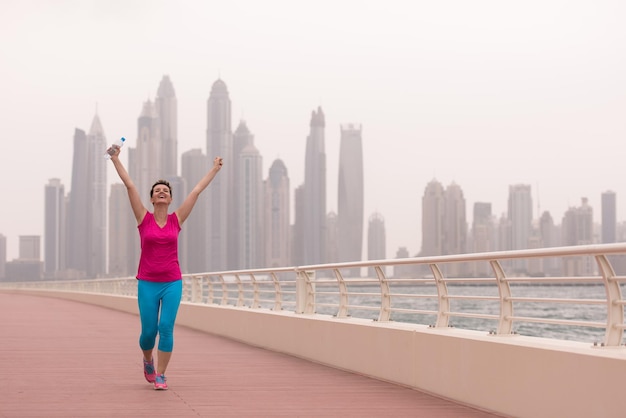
[(481, 93)]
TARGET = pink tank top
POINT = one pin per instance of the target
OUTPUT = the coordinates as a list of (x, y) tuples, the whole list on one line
[(159, 249)]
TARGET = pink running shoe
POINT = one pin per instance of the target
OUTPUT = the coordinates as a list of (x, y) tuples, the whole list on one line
[(148, 370), (160, 382)]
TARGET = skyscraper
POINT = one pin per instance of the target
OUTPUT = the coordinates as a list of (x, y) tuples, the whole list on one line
[(432, 219), (30, 247), (98, 203), (297, 237), (86, 221), (549, 238), (242, 138), (520, 215), (54, 228), (350, 197), (77, 223), (314, 192), (577, 229), (454, 222), (609, 217), (146, 158), (331, 243), (194, 165), (482, 228), (167, 111), (222, 253), (250, 208), (122, 233), (376, 240), (276, 219), (482, 236)]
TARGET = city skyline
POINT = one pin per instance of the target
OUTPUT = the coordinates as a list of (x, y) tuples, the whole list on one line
[(484, 95)]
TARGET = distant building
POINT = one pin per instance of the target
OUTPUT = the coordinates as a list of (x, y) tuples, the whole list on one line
[(146, 158), (403, 271), (376, 241), (332, 240), (432, 219), (54, 228), (167, 111), (222, 214), (276, 217), (195, 233), (520, 216), (577, 229), (314, 192), (609, 217), (483, 236), (549, 234), (28, 267), (86, 211), (350, 199), (122, 233), (249, 208), (297, 236)]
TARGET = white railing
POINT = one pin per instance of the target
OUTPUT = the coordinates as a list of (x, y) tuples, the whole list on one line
[(425, 290)]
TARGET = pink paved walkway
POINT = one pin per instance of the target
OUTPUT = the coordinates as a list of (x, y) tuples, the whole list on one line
[(61, 358)]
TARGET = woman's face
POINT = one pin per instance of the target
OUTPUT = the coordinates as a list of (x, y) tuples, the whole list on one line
[(161, 195)]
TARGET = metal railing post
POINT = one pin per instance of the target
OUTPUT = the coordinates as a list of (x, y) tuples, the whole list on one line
[(384, 315), (505, 326), (614, 310), (443, 320), (305, 294)]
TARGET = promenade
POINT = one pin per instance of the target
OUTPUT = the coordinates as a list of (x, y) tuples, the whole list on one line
[(62, 358)]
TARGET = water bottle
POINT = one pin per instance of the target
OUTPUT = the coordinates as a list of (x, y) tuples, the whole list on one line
[(116, 144)]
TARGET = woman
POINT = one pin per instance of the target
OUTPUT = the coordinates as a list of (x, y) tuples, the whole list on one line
[(159, 276)]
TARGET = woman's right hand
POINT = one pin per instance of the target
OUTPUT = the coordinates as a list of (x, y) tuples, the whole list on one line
[(114, 150)]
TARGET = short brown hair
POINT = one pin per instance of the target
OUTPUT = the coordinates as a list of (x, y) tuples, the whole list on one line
[(164, 182)]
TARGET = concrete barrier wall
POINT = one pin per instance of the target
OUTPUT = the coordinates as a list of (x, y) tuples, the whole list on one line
[(510, 375)]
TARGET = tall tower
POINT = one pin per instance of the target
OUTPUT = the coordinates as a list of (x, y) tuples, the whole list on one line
[(577, 229), (146, 158), (54, 228), (122, 233), (276, 217), (609, 217), (98, 202), (297, 236), (454, 223), (242, 138), (482, 235), (79, 198), (549, 238), (350, 197), (194, 165), (376, 240), (432, 219), (222, 254), (482, 228), (520, 215), (314, 192), (250, 208), (86, 221), (167, 111)]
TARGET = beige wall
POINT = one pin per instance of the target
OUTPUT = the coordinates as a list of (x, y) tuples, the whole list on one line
[(511, 375)]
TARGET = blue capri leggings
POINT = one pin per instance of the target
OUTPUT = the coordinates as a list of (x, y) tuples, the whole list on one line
[(153, 296)]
